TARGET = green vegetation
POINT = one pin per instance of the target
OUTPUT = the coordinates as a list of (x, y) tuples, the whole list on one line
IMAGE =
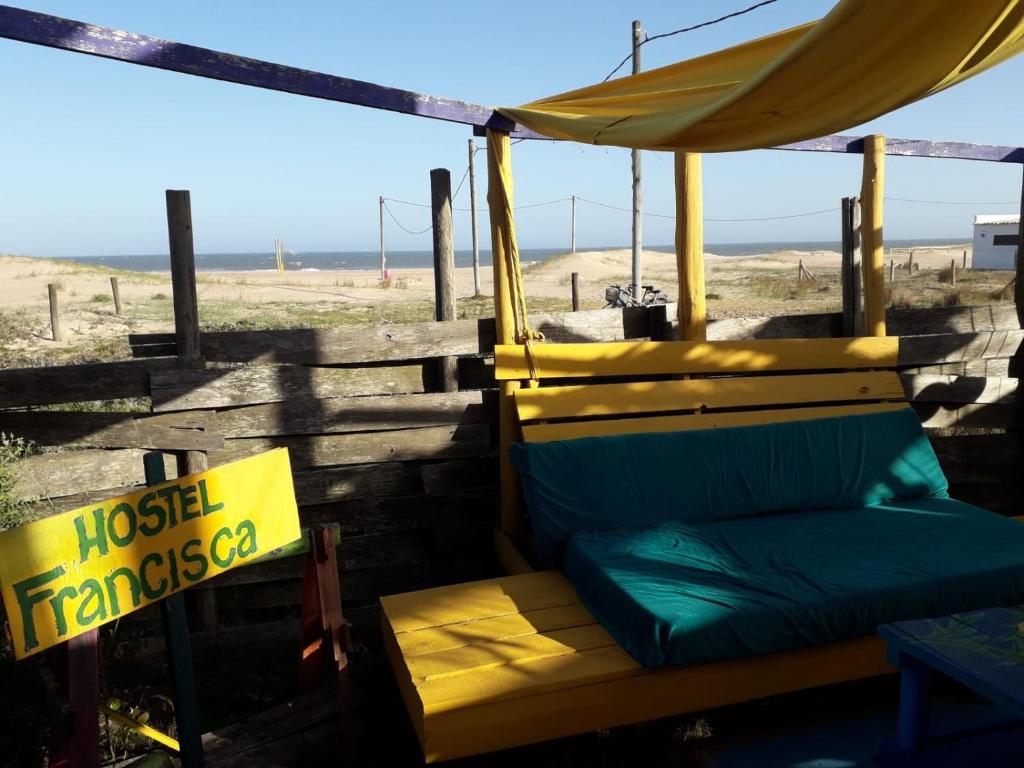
[(100, 298), (13, 510)]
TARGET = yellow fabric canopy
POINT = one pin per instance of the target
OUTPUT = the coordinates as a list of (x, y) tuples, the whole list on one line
[(865, 58)]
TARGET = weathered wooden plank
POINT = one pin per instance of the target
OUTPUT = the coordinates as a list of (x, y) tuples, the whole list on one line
[(423, 443), (457, 476), (937, 388), (167, 432), (988, 458), (958, 347), (903, 322), (70, 35), (470, 507), (78, 383), (811, 326), (51, 475), (350, 345), (405, 341), (913, 147), (46, 507), (970, 416), (310, 416), (357, 482), (989, 317), (223, 387)]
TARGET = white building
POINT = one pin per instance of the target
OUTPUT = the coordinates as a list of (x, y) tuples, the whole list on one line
[(995, 241)]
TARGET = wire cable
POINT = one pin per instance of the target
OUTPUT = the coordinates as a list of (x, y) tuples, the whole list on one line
[(950, 202), (687, 29), (402, 226), (667, 216)]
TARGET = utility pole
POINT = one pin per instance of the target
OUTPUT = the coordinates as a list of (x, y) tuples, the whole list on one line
[(573, 238), (472, 218), (382, 259), (637, 195)]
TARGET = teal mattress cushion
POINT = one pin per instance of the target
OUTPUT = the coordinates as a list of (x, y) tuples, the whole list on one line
[(684, 593), (604, 483)]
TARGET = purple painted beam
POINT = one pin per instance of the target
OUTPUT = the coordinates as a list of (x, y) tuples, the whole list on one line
[(77, 36), (913, 148)]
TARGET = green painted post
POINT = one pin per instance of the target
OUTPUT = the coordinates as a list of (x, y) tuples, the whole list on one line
[(179, 651)]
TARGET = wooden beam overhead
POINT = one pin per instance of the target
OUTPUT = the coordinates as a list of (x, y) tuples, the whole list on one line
[(70, 35), (79, 37)]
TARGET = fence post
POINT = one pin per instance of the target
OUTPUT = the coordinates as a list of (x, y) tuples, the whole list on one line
[(575, 291), (51, 289), (965, 261), (910, 262), (444, 265), (186, 329), (952, 271), (117, 295), (183, 274), (853, 319)]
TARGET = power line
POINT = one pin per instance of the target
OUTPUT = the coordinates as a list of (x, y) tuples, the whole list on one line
[(401, 225), (950, 202), (667, 216), (688, 29)]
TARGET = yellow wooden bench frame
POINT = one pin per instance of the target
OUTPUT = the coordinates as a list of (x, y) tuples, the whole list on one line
[(515, 660)]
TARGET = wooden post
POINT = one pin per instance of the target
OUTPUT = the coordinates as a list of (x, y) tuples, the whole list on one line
[(853, 319), (910, 262), (500, 202), (75, 732), (472, 218), (952, 271), (444, 265), (183, 274), (117, 295), (1018, 287), (186, 328), (800, 274), (575, 291), (965, 261), (51, 289), (871, 196), (572, 227), (690, 247), (383, 258), (892, 271), (638, 237), (179, 651)]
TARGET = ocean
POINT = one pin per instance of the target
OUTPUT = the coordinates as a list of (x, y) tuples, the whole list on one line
[(329, 260)]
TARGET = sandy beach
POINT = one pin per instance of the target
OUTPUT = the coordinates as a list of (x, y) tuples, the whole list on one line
[(763, 284)]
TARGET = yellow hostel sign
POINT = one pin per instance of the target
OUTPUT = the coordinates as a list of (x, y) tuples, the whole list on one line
[(66, 574)]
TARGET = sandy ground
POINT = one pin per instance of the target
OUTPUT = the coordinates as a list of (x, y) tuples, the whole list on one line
[(346, 296)]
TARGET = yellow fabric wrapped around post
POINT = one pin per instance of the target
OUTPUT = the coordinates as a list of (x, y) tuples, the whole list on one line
[(865, 58)]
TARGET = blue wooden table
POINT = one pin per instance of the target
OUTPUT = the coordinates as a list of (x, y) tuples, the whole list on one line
[(983, 650)]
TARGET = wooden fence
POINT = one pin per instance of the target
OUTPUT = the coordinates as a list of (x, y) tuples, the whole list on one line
[(409, 472)]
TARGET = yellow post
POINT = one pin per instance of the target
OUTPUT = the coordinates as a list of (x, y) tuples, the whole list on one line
[(690, 247), (872, 243), (499, 202)]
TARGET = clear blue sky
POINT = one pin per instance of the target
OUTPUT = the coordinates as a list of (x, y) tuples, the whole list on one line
[(90, 145)]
